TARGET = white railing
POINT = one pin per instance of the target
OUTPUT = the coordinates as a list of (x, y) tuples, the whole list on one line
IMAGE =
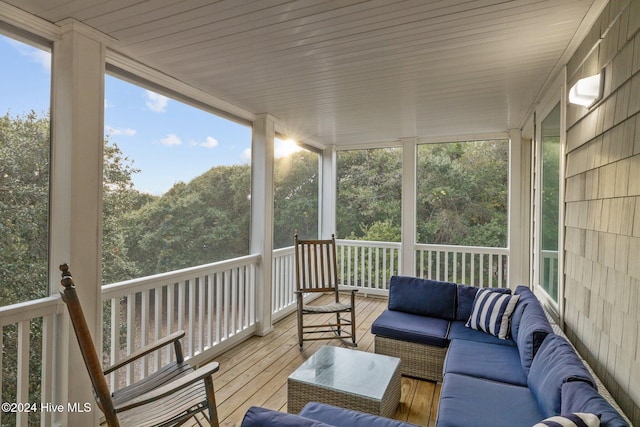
[(28, 334), (368, 265), (212, 303), (283, 282), (549, 272), (471, 265)]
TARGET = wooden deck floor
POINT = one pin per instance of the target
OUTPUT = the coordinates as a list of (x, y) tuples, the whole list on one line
[(255, 373)]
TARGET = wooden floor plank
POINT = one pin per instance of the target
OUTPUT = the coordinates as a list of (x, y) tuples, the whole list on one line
[(255, 372)]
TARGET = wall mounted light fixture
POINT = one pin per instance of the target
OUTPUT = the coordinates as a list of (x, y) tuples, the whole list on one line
[(587, 91)]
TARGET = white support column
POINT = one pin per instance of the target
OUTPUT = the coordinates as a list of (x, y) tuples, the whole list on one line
[(407, 253), (519, 200), (262, 214), (328, 192), (76, 203)]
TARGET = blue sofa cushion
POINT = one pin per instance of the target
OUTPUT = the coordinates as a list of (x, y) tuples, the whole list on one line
[(469, 401), (516, 318), (579, 396), (458, 331), (498, 363), (491, 312), (533, 329), (340, 417), (466, 295), (571, 420), (429, 298), (261, 417), (555, 364), (526, 296), (411, 327)]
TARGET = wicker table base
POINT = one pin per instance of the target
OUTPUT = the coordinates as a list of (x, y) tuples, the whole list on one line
[(351, 379)]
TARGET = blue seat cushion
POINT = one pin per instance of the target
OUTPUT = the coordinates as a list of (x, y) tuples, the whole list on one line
[(411, 327), (498, 363), (469, 401), (340, 417), (429, 298), (555, 364), (458, 331), (466, 294), (579, 396), (261, 417)]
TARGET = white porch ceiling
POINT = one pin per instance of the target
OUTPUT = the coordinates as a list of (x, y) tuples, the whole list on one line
[(349, 71)]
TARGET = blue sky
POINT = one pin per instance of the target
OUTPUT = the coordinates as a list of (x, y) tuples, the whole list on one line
[(167, 140)]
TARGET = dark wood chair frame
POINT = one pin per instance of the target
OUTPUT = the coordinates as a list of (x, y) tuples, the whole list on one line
[(317, 272), (171, 396)]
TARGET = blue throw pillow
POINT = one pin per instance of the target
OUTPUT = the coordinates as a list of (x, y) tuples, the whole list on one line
[(491, 312), (571, 420)]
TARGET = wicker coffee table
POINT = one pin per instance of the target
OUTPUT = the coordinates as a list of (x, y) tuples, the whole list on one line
[(351, 379)]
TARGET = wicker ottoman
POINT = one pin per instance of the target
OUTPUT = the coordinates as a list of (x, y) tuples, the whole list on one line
[(418, 360), (351, 379)]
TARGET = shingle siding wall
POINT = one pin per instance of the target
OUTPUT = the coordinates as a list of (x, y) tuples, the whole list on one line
[(602, 222)]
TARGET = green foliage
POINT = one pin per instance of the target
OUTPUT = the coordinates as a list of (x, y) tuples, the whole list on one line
[(204, 221), (24, 203), (369, 191), (462, 193), (295, 198)]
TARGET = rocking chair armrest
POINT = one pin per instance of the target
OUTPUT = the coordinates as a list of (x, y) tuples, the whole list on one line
[(171, 387), (171, 338)]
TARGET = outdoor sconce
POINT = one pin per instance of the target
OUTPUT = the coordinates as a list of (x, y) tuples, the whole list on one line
[(587, 91)]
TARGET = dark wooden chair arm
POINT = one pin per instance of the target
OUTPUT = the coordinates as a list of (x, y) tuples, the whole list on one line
[(169, 339), (170, 388)]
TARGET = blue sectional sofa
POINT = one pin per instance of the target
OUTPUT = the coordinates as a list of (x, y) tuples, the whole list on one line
[(517, 373), (519, 379)]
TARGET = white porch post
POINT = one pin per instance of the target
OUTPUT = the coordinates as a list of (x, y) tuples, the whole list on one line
[(407, 255), (262, 214), (518, 240), (76, 203), (328, 192)]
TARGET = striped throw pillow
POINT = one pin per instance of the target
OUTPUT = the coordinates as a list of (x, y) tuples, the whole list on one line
[(491, 312), (571, 420)]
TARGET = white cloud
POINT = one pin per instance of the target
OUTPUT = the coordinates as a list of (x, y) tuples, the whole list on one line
[(170, 139), (115, 131), (156, 102), (210, 142), (38, 56), (246, 155)]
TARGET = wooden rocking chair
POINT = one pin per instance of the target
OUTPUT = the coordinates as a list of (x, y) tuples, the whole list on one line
[(316, 272), (168, 397)]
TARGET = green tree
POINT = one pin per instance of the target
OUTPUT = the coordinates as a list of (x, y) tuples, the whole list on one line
[(462, 193), (203, 221), (369, 191), (295, 198)]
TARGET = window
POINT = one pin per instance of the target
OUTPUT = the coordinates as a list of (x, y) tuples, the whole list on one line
[(549, 203), (369, 194), (25, 86), (177, 184), (296, 189), (461, 192)]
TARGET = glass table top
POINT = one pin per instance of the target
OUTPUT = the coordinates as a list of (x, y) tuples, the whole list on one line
[(352, 371)]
